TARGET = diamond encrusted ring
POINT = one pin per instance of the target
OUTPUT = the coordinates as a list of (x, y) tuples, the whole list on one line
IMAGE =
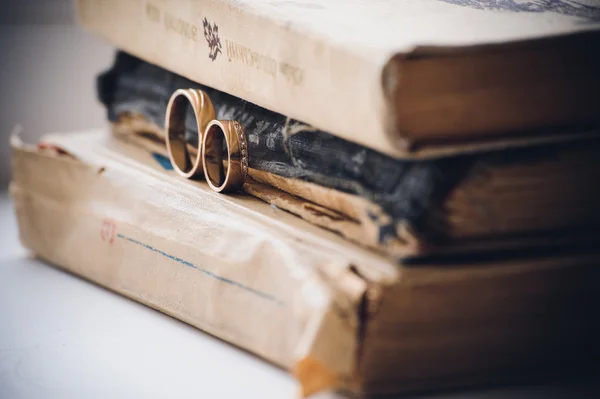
[(225, 171)]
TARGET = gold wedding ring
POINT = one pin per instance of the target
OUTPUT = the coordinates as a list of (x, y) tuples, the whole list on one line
[(185, 158), (222, 151), (225, 171)]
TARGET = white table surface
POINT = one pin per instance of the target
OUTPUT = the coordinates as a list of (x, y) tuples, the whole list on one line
[(63, 337)]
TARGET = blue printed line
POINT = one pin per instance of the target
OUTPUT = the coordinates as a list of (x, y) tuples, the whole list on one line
[(207, 272), (162, 161)]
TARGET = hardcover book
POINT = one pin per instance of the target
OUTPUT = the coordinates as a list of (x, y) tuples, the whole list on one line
[(394, 76), (469, 200)]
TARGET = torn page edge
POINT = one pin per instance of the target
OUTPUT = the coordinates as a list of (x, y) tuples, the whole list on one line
[(327, 353), (356, 219), (43, 148)]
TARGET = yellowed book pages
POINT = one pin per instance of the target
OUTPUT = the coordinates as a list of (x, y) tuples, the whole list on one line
[(336, 315)]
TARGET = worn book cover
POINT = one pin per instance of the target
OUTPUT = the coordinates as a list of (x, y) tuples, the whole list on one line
[(334, 314), (394, 76), (473, 198)]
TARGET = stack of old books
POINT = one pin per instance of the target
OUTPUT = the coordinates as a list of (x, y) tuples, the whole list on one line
[(421, 208)]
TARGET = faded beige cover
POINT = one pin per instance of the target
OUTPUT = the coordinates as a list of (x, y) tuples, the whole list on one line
[(318, 61), (233, 266), (334, 314)]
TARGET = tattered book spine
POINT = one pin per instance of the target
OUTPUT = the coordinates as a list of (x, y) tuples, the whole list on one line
[(350, 216), (398, 207), (383, 202)]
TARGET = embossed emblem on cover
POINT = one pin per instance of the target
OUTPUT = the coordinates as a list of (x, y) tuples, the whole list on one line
[(211, 33)]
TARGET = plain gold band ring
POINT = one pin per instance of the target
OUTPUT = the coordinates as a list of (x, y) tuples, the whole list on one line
[(185, 158), (231, 176)]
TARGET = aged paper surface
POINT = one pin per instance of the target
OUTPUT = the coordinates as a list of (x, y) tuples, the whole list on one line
[(232, 266), (301, 297), (316, 61)]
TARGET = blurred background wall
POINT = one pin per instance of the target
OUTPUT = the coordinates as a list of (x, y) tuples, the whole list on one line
[(48, 67)]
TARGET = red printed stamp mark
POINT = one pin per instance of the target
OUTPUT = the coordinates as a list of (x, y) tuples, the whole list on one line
[(108, 231)]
